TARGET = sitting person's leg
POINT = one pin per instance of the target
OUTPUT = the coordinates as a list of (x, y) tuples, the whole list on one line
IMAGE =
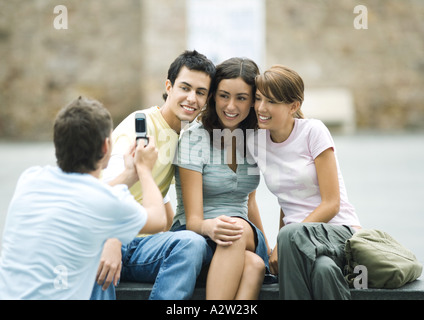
[(170, 260), (299, 247), (252, 277), (328, 282), (234, 264)]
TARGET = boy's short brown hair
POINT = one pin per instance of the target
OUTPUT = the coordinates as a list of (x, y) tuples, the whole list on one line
[(80, 130)]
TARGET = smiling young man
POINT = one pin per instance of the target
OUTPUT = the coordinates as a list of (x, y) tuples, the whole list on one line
[(170, 260)]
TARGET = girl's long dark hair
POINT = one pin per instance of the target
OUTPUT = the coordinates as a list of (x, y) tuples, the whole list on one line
[(232, 68)]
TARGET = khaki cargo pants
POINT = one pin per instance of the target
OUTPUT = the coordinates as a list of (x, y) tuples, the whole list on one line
[(311, 259)]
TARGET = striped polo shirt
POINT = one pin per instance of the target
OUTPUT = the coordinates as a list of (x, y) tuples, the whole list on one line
[(225, 192)]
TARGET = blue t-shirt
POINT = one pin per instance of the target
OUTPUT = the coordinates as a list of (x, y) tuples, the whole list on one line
[(225, 192), (55, 229)]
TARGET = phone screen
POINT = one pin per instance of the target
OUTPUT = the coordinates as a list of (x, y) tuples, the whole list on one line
[(140, 125)]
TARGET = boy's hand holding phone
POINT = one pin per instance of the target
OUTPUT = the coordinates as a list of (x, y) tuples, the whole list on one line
[(146, 155), (146, 152)]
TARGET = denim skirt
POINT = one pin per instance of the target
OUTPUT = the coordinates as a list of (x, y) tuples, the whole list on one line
[(261, 249)]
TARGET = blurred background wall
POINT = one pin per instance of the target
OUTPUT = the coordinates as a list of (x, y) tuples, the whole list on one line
[(119, 51)]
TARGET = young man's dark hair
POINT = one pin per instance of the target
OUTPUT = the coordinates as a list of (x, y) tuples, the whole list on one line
[(193, 60), (80, 130)]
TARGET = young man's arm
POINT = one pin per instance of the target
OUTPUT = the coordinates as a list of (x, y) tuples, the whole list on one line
[(145, 158), (129, 175), (139, 161), (143, 161)]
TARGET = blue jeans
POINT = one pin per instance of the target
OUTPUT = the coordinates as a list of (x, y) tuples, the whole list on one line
[(170, 260)]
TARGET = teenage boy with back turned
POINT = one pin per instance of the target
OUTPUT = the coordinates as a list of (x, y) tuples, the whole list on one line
[(60, 216)]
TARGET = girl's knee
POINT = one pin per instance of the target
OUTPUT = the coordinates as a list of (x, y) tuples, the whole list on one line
[(254, 263), (248, 236)]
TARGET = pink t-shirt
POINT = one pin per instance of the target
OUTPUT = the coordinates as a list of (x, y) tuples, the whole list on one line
[(290, 173)]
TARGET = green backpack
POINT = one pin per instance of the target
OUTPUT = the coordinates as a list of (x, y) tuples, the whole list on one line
[(388, 264)]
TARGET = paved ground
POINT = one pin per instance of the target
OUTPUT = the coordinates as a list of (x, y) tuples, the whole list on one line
[(384, 176)]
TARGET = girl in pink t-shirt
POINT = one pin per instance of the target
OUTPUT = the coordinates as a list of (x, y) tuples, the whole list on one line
[(300, 167)]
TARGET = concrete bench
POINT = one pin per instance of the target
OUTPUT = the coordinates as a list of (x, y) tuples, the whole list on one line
[(410, 291), (333, 106)]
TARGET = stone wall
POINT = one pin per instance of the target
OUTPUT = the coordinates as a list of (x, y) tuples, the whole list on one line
[(163, 37), (383, 65), (115, 51), (119, 51)]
